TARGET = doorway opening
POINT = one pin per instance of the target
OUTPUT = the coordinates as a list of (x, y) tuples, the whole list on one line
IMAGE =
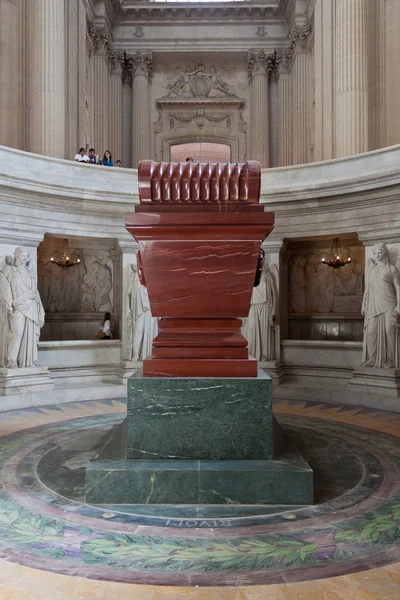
[(202, 152)]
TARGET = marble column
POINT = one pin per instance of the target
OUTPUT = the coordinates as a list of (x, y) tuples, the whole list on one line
[(324, 89), (126, 117), (285, 131), (299, 35), (258, 72), (351, 78), (8, 73), (48, 79), (142, 69), (392, 71), (100, 106), (115, 110)]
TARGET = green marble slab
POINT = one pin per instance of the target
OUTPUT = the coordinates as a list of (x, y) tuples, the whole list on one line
[(206, 419), (288, 480)]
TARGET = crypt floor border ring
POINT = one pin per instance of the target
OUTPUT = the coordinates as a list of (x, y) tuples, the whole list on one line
[(358, 529)]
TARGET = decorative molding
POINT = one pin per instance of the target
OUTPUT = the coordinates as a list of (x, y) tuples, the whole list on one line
[(138, 33), (100, 39), (261, 32), (284, 60), (260, 63), (200, 117), (242, 124), (141, 63), (197, 82), (158, 126), (299, 38), (196, 102), (115, 62), (135, 9)]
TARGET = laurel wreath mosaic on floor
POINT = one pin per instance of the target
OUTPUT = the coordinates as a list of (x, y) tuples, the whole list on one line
[(40, 528)]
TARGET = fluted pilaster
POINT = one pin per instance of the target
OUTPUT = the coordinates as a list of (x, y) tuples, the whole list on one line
[(100, 107), (24, 18), (8, 73), (258, 72), (392, 21), (126, 118), (48, 79), (273, 64), (351, 78), (142, 68), (285, 132), (115, 112), (376, 74), (299, 37)]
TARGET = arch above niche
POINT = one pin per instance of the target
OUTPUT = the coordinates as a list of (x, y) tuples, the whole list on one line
[(216, 120)]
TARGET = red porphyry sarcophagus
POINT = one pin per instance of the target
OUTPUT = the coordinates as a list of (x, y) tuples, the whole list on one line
[(200, 228)]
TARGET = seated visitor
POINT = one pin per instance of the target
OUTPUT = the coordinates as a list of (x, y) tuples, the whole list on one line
[(118, 163), (192, 159), (82, 156), (93, 157), (107, 159), (105, 329)]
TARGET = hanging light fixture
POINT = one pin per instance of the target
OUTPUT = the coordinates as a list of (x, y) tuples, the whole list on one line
[(338, 258), (67, 259)]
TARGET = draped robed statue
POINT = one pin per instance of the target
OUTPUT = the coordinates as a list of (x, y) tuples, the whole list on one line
[(259, 327), (21, 312), (381, 310), (142, 326)]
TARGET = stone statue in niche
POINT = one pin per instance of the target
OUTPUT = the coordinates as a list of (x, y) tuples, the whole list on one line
[(141, 325), (297, 284), (96, 288), (313, 293), (259, 327), (21, 312), (381, 310)]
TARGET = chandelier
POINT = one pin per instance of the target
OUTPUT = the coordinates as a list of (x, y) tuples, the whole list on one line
[(67, 259), (338, 258)]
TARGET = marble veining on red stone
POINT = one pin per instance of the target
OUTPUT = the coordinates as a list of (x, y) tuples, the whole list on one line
[(199, 229)]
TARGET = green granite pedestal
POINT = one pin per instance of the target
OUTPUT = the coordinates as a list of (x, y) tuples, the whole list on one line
[(199, 441)]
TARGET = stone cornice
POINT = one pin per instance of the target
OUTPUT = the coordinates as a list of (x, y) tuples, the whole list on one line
[(136, 9), (192, 102)]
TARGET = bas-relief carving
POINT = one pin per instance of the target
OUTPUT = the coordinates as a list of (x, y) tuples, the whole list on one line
[(141, 326), (87, 287), (96, 290), (200, 117), (259, 327), (381, 310), (316, 288), (21, 312), (195, 81)]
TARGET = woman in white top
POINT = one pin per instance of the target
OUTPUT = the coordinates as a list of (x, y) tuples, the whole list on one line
[(105, 329)]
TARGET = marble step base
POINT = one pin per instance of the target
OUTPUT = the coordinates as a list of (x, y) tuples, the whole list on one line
[(23, 380), (286, 480)]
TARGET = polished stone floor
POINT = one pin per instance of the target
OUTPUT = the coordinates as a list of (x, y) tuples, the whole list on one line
[(54, 546)]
